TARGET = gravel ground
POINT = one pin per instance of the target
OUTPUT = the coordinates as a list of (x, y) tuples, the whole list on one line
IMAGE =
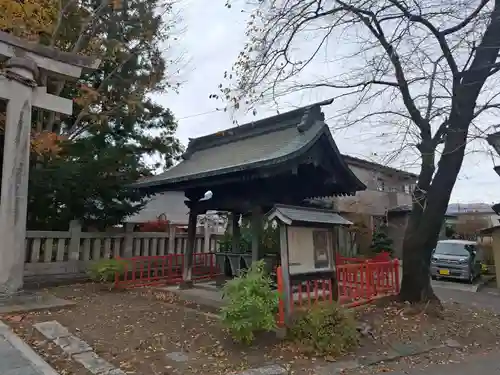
[(136, 331)]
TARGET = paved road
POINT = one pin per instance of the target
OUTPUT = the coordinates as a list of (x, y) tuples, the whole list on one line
[(17, 358), (486, 364), (488, 298)]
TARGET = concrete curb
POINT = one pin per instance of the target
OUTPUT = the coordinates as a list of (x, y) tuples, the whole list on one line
[(38, 363)]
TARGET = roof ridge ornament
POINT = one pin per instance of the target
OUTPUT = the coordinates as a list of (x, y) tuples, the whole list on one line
[(311, 115)]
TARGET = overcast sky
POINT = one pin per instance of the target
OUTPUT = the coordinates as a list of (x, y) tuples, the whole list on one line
[(214, 35)]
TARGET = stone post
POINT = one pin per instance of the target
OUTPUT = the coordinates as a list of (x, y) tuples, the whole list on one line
[(21, 74), (128, 250), (75, 230)]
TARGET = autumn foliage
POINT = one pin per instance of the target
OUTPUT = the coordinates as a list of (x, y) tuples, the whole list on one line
[(28, 18), (83, 164)]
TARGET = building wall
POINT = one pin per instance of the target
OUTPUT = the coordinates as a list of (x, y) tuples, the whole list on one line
[(301, 249), (396, 226), (383, 191)]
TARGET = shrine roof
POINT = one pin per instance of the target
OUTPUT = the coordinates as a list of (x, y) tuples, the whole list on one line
[(496, 208), (298, 214), (259, 144)]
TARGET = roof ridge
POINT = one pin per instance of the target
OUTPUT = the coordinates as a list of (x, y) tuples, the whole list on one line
[(302, 117), (373, 163), (305, 208)]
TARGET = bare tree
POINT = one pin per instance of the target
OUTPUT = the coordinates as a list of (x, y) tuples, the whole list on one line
[(425, 67)]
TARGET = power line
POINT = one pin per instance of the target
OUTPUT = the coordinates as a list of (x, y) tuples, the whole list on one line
[(199, 114)]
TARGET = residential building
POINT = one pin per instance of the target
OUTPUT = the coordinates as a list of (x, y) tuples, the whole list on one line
[(387, 199), (386, 188)]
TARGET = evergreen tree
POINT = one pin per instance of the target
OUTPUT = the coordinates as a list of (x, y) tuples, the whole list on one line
[(381, 242), (83, 164)]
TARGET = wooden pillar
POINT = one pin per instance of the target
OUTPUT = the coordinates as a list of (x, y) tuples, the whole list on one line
[(236, 231), (256, 232), (496, 253), (285, 272), (21, 74), (187, 272)]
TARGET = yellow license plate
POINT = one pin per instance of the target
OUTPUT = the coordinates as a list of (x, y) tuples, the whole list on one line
[(444, 272)]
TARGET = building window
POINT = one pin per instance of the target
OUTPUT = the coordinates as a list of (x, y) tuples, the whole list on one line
[(408, 188), (380, 184)]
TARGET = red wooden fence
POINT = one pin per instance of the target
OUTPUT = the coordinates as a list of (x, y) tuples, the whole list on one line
[(359, 282), (164, 269)]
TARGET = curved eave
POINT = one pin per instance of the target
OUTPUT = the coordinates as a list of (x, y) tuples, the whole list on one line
[(352, 180)]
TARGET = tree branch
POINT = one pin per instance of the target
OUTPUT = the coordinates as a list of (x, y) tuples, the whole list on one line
[(467, 20), (368, 17), (443, 44)]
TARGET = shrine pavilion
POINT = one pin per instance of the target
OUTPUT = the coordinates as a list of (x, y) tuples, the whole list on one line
[(284, 159)]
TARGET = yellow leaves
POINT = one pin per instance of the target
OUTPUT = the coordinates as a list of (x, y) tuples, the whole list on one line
[(28, 18), (46, 143)]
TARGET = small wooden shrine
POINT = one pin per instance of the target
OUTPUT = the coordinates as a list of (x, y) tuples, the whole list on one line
[(307, 246), (283, 159)]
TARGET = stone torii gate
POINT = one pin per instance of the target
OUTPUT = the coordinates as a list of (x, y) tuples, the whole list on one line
[(24, 63)]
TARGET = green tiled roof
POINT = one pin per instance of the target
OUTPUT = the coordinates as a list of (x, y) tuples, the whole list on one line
[(291, 214), (263, 143)]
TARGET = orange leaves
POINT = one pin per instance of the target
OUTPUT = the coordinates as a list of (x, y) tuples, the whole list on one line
[(117, 4), (28, 18), (46, 143), (86, 96)]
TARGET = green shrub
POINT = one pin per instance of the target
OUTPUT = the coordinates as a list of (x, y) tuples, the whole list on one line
[(252, 304), (381, 242), (325, 329), (104, 270)]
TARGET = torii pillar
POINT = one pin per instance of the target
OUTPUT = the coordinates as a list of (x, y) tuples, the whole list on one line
[(19, 86)]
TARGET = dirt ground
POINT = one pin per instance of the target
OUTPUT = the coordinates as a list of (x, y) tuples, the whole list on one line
[(135, 330)]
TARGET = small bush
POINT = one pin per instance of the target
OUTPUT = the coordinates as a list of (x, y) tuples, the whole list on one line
[(381, 242), (252, 304), (325, 329), (103, 271)]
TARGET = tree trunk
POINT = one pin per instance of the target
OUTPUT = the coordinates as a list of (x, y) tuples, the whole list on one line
[(427, 217), (416, 284)]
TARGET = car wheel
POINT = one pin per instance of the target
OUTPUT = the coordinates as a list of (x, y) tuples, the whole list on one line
[(471, 277)]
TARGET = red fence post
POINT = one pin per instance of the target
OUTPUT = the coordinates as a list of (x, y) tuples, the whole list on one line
[(396, 276), (281, 303)]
